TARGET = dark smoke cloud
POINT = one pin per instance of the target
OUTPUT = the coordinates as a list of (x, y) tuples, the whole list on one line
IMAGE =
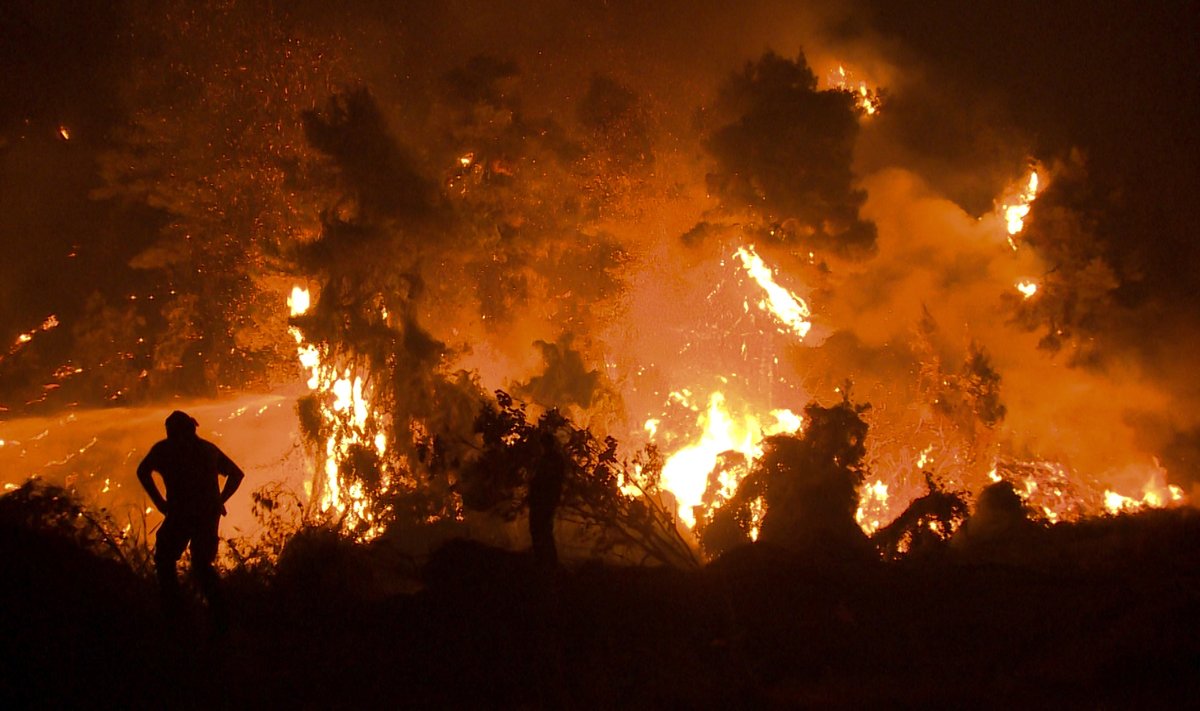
[(378, 173), (1105, 97), (566, 381), (1116, 81), (786, 153)]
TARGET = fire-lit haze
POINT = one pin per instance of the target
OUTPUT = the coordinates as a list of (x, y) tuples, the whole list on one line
[(328, 230)]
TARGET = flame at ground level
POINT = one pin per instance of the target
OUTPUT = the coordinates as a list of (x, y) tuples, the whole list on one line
[(687, 471), (94, 453)]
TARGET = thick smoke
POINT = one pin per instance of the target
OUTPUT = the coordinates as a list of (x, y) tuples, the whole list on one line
[(550, 203)]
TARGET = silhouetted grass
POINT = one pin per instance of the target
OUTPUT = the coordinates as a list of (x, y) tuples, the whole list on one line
[(1101, 613)]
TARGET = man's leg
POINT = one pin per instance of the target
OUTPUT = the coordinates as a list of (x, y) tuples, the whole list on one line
[(168, 547), (204, 554)]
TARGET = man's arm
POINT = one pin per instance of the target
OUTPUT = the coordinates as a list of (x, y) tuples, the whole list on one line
[(145, 472), (233, 477)]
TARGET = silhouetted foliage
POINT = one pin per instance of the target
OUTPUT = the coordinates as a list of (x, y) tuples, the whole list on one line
[(1000, 528), (1083, 305), (612, 113), (926, 523), (53, 511), (807, 483), (213, 151), (637, 528), (565, 380), (280, 514)]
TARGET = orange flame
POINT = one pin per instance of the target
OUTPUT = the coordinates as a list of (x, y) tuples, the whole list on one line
[(781, 303), (686, 472), (345, 408)]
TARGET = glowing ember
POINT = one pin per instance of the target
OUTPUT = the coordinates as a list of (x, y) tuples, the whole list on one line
[(50, 323), (783, 304), (64, 132)]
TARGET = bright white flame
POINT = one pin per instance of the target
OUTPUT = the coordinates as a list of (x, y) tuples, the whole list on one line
[(685, 473), (1027, 288), (1115, 503), (785, 421), (651, 427)]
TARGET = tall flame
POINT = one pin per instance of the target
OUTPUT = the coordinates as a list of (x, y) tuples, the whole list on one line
[(783, 304), (345, 410), (1016, 211)]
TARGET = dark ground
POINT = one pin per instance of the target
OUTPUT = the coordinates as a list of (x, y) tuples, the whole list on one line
[(1101, 614)]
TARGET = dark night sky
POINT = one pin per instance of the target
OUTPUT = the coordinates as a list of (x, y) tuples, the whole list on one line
[(1117, 80)]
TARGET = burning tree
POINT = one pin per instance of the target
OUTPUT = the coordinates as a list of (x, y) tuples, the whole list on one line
[(927, 521), (402, 435)]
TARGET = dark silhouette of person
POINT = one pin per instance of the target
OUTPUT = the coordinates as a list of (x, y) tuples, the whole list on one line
[(193, 505), (545, 492)]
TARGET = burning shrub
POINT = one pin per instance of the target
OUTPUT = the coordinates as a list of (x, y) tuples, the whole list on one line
[(927, 522), (802, 492), (614, 506)]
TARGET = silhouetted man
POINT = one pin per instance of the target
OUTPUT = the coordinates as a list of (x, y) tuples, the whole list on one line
[(193, 505), (545, 493)]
